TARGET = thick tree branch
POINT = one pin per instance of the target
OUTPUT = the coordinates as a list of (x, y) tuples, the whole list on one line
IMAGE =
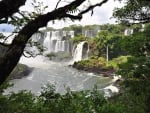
[(9, 7)]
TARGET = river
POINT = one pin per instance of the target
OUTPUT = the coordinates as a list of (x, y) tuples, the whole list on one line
[(56, 73)]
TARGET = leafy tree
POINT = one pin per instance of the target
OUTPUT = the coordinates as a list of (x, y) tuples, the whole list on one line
[(107, 43), (138, 44), (78, 39), (51, 102), (115, 49), (114, 29), (136, 72), (134, 11), (102, 41)]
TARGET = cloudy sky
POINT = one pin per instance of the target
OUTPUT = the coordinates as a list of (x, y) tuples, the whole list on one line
[(101, 14)]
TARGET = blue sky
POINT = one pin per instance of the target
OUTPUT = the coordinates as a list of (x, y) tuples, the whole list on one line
[(6, 28)]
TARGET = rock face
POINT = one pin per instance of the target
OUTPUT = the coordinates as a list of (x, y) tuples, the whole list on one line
[(20, 71)]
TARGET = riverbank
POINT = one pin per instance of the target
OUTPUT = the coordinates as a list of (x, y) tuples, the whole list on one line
[(99, 65), (111, 90), (96, 69)]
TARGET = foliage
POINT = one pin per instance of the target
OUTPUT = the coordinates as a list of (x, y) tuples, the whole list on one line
[(92, 62), (134, 11), (78, 39), (101, 42), (95, 65), (19, 103), (114, 29), (115, 49), (115, 62), (51, 102), (105, 39), (74, 102), (135, 68), (136, 90), (137, 44)]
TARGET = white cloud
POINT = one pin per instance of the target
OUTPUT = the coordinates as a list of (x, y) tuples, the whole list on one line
[(101, 14)]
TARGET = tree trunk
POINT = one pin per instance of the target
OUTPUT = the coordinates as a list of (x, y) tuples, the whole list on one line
[(9, 61)]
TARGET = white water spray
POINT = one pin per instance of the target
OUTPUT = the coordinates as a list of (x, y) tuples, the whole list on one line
[(78, 52)]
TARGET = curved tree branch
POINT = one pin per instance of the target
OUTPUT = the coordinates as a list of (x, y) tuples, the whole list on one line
[(92, 7), (57, 4)]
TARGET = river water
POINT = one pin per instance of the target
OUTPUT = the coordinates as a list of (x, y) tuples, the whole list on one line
[(56, 73)]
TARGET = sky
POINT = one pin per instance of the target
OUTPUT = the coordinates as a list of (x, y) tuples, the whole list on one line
[(101, 14)]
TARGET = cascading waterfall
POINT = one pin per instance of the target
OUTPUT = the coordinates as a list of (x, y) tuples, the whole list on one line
[(128, 32), (78, 53), (57, 41), (47, 42)]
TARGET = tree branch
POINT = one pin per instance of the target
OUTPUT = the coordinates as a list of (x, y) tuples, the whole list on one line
[(57, 4), (92, 7), (42, 21), (79, 17)]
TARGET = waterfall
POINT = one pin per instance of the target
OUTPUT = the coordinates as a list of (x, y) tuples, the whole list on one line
[(47, 42), (90, 32), (128, 32), (79, 52), (56, 41)]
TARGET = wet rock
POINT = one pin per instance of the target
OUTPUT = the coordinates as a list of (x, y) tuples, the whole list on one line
[(20, 71)]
